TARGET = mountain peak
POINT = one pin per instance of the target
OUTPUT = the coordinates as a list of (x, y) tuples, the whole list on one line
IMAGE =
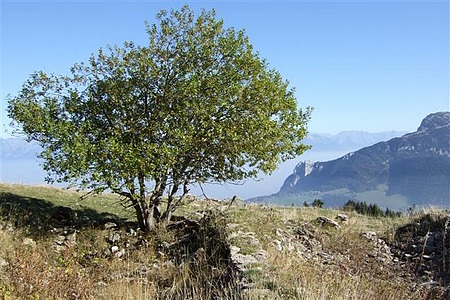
[(434, 121), (414, 168)]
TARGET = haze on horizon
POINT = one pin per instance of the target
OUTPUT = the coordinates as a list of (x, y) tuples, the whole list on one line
[(23, 168)]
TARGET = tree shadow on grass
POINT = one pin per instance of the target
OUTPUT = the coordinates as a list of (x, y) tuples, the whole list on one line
[(39, 216)]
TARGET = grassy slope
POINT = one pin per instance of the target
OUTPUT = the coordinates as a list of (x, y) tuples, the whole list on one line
[(106, 203), (36, 270)]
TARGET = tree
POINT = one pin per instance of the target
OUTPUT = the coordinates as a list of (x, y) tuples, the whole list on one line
[(350, 205), (317, 203), (195, 105)]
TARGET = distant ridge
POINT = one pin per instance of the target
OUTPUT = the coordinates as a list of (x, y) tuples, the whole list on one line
[(18, 148), (411, 169), (348, 140)]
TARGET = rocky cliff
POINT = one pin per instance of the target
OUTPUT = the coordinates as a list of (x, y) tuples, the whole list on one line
[(415, 166)]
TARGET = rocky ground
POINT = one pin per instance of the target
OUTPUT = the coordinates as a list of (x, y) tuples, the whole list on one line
[(249, 249)]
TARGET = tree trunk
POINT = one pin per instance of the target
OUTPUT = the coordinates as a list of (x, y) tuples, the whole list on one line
[(167, 217), (140, 215), (150, 220), (168, 212), (152, 214)]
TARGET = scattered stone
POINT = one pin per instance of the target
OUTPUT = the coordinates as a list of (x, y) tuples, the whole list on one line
[(369, 235), (132, 232), (109, 225), (243, 260), (29, 242), (107, 253), (232, 225), (248, 238), (328, 222), (60, 248), (234, 250), (64, 238), (60, 239), (423, 245), (113, 238), (261, 255), (342, 218), (119, 253), (101, 284), (279, 232), (278, 245), (373, 253), (3, 263), (190, 198), (71, 238), (266, 207)]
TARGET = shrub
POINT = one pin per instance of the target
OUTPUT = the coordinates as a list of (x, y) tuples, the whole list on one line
[(372, 210), (317, 203)]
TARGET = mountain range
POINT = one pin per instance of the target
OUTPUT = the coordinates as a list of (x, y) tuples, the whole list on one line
[(348, 140), (19, 148), (413, 169), (19, 164)]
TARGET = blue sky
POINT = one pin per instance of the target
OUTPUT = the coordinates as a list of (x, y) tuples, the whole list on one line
[(363, 65), (370, 66)]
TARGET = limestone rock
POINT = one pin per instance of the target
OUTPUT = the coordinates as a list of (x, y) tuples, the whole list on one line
[(328, 222), (113, 238), (369, 235), (342, 218), (3, 263), (109, 225), (29, 242)]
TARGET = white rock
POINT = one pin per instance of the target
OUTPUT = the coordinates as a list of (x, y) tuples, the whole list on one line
[(277, 245), (328, 222), (342, 217), (3, 263), (370, 235), (29, 242), (109, 225), (120, 253)]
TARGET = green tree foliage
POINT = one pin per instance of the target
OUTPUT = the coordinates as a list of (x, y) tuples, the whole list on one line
[(196, 105), (317, 203), (369, 210)]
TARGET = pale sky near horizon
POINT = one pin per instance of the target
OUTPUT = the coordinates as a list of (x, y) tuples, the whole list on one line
[(363, 65)]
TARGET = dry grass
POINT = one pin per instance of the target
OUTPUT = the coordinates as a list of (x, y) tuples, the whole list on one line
[(347, 275), (200, 269)]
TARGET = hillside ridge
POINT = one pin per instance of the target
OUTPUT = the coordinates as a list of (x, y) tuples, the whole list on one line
[(415, 165)]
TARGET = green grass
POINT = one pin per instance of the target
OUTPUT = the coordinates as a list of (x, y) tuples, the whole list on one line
[(105, 203)]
